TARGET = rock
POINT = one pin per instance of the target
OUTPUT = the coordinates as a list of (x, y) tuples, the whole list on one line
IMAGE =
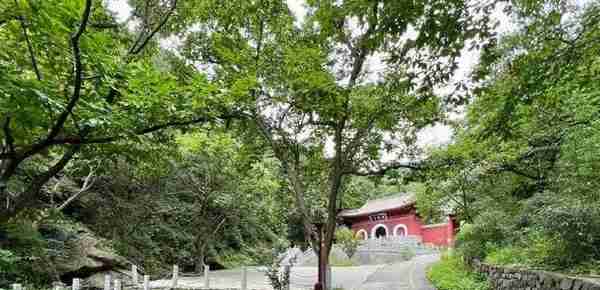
[(86, 255)]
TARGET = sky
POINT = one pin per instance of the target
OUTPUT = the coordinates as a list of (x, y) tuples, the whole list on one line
[(429, 137)]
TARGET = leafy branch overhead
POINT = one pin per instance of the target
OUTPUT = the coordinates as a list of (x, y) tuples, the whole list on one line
[(311, 93), (89, 85)]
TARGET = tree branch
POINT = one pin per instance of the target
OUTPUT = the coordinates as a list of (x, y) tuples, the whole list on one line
[(513, 169), (135, 48), (87, 183), (28, 198), (29, 45), (8, 138), (78, 72), (143, 131), (384, 169)]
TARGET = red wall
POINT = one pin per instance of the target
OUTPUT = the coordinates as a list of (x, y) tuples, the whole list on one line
[(439, 235), (412, 223)]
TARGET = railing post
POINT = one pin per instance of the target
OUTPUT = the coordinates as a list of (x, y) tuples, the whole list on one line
[(107, 282), (328, 278), (146, 282), (175, 276), (206, 278), (76, 284), (134, 275), (287, 276), (117, 284), (244, 278)]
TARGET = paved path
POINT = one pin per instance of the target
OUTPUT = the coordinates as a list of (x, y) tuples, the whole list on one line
[(409, 275)]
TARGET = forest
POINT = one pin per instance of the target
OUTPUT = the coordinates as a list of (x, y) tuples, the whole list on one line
[(207, 131)]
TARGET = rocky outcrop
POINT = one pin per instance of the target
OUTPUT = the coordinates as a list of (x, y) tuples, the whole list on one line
[(81, 254), (505, 278)]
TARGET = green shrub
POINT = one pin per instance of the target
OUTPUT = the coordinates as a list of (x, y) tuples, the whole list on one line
[(451, 273), (509, 255), (534, 249), (25, 258), (573, 226), (546, 231), (347, 241), (8, 267)]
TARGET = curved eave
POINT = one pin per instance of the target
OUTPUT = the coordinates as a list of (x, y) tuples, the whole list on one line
[(362, 214)]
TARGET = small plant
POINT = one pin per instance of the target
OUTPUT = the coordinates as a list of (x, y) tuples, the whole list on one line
[(451, 273), (347, 241), (278, 275)]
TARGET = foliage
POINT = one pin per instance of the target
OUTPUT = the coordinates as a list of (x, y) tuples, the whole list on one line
[(8, 265), (27, 255), (208, 200), (522, 170), (571, 227), (534, 250), (76, 79), (308, 93), (278, 274), (347, 240), (474, 240), (451, 273)]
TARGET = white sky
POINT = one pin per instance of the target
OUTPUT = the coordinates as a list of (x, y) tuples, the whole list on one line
[(433, 136)]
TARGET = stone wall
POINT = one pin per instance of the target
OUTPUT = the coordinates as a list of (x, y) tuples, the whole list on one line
[(504, 278)]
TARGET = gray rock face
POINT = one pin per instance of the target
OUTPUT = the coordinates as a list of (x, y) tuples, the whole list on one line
[(89, 257)]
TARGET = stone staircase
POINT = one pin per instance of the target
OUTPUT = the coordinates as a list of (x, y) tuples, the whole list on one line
[(370, 252)]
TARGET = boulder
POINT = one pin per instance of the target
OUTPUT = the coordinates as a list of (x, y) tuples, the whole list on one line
[(85, 255)]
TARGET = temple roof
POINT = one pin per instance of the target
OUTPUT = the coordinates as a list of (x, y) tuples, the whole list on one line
[(396, 201)]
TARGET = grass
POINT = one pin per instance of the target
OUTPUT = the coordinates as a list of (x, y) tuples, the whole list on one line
[(451, 273), (336, 261)]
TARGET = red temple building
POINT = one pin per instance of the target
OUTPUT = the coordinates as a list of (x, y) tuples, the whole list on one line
[(396, 216)]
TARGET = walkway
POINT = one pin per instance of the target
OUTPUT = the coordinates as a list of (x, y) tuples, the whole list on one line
[(409, 275)]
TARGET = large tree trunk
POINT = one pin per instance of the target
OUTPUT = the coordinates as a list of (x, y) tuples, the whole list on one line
[(199, 264), (307, 227), (30, 197)]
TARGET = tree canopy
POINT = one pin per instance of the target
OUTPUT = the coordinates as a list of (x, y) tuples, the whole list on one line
[(222, 129), (524, 160)]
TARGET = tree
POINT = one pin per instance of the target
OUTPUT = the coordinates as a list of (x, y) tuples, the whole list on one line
[(206, 198), (527, 147), (77, 78), (306, 88)]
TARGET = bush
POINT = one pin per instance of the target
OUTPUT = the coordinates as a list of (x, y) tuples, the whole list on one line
[(451, 273), (8, 267), (489, 230), (25, 258), (507, 256), (347, 241), (546, 231), (573, 225)]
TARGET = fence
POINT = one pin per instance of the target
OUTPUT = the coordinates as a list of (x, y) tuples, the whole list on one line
[(237, 279), (172, 277), (246, 278)]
